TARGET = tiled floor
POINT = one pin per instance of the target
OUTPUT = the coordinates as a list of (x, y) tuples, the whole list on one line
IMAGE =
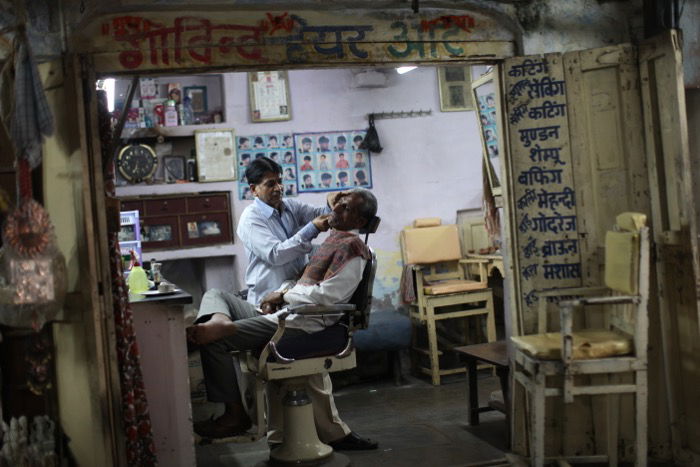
[(416, 424)]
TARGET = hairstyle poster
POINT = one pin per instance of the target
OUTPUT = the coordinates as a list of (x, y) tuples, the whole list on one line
[(279, 148), (332, 161), (487, 113)]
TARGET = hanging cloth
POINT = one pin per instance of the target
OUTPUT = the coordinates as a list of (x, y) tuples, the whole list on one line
[(371, 141), (26, 114)]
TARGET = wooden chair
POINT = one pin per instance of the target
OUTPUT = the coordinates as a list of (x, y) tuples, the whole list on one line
[(442, 292), (608, 351)]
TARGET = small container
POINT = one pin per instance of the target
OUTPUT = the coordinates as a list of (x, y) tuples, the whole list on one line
[(155, 272), (192, 170)]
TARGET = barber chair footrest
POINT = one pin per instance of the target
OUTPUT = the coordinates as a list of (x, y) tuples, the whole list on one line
[(249, 437), (336, 459)]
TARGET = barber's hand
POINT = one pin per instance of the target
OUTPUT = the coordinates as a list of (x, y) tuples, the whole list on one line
[(321, 222), (272, 302), (333, 197)]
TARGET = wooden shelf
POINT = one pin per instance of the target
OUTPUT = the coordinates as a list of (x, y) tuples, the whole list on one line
[(190, 253), (144, 189), (170, 131)]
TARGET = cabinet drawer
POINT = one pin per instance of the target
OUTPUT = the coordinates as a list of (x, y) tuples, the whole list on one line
[(207, 203), (205, 229), (132, 205), (160, 232), (160, 207)]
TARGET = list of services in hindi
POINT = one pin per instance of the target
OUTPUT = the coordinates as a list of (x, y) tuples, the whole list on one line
[(545, 203)]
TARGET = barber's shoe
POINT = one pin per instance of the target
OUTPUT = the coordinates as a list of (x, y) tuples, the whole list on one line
[(213, 429), (353, 442)]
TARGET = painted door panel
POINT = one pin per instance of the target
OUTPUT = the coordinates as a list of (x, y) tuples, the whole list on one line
[(674, 193)]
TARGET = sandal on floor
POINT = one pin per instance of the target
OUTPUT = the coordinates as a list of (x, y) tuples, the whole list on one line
[(353, 442), (211, 428)]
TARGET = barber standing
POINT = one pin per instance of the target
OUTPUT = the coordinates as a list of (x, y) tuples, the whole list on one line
[(277, 235)]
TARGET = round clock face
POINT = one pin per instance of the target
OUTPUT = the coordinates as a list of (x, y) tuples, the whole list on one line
[(137, 162)]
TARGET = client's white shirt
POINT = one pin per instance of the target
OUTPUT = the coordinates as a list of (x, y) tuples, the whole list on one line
[(337, 289)]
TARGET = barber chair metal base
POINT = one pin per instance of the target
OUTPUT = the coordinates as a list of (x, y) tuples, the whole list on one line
[(334, 460), (301, 443)]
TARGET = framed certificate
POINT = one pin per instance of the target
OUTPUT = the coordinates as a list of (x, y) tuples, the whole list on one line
[(269, 96), (216, 155), (455, 88)]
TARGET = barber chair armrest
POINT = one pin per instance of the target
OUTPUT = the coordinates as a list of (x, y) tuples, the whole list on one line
[(309, 310), (319, 310)]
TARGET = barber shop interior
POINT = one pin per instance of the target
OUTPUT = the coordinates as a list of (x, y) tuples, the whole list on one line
[(396, 233)]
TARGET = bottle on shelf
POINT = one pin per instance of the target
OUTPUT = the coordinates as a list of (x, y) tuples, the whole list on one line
[(187, 114), (171, 118)]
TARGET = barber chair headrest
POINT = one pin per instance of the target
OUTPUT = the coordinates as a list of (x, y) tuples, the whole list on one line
[(371, 226)]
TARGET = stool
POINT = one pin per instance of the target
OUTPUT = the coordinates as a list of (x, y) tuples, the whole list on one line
[(495, 353)]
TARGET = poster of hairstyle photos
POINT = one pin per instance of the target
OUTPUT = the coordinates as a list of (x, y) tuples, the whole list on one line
[(279, 148), (487, 113), (332, 161)]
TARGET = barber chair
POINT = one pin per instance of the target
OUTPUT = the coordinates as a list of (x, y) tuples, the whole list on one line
[(291, 361)]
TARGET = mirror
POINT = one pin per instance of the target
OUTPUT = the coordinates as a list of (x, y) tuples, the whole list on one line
[(487, 103)]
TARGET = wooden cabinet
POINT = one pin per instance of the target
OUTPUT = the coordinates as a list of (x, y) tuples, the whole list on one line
[(182, 221)]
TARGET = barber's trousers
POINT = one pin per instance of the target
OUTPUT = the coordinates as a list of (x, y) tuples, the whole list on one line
[(253, 332)]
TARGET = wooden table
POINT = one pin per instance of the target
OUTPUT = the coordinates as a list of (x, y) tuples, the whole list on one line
[(159, 326), (495, 353)]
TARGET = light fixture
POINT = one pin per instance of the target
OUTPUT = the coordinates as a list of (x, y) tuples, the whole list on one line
[(405, 69), (109, 88)]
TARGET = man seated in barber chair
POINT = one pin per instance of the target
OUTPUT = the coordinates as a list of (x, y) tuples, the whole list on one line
[(226, 322)]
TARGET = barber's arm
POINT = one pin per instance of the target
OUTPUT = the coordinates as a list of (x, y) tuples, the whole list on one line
[(337, 289), (306, 213), (258, 238)]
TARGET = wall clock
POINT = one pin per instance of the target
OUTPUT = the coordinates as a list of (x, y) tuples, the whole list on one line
[(137, 162)]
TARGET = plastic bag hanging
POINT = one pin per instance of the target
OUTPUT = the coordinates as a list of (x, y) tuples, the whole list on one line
[(32, 269), (371, 141)]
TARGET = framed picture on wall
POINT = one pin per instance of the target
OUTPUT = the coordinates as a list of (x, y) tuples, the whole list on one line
[(279, 147), (198, 98), (268, 92), (174, 168), (484, 91), (216, 155), (454, 83), (331, 161)]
